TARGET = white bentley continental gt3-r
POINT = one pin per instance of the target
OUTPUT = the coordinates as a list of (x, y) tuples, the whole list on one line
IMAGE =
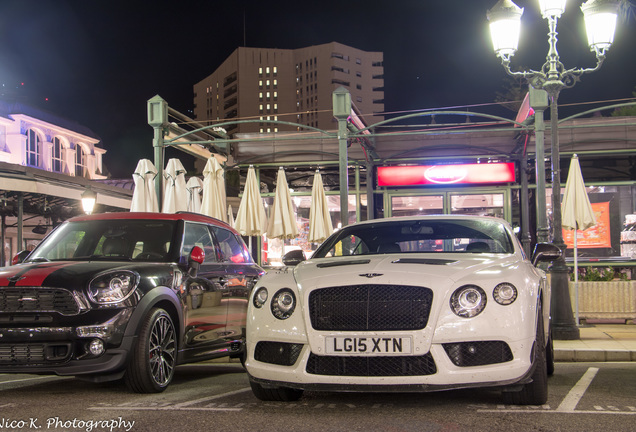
[(405, 304)]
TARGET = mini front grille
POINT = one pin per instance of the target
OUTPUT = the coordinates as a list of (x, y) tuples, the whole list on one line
[(38, 300), (279, 353), (371, 366), (370, 307), (478, 353), (34, 354)]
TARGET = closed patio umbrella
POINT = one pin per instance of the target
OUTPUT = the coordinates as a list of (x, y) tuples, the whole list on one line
[(194, 186), (174, 195), (577, 215), (320, 226), (144, 196), (230, 216), (213, 203), (251, 219), (282, 219)]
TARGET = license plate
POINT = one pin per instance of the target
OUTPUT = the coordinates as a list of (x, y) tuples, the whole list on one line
[(381, 345)]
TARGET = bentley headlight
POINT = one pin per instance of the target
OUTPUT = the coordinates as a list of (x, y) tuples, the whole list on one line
[(468, 301), (283, 303), (112, 287), (505, 293), (260, 297)]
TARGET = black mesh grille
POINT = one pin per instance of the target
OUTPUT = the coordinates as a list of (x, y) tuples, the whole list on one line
[(370, 307), (279, 353), (478, 353), (371, 366), (37, 300), (34, 354)]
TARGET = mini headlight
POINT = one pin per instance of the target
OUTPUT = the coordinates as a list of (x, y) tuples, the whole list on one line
[(468, 301), (505, 293), (260, 297), (112, 287), (283, 303)]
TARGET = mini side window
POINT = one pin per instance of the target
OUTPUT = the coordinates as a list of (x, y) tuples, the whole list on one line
[(232, 248), (198, 235)]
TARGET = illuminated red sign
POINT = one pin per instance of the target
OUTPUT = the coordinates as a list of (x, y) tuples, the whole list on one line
[(485, 173)]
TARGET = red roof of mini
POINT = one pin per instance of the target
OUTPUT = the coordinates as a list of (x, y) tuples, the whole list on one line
[(192, 217)]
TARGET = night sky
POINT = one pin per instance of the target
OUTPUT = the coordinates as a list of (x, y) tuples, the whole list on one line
[(98, 62)]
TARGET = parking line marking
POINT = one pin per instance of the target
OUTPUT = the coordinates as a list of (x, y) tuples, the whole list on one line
[(36, 378), (183, 406), (209, 398), (576, 393)]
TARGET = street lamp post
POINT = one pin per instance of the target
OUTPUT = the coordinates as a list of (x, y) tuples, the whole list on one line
[(600, 22)]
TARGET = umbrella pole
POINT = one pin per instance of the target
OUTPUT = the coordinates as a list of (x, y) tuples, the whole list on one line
[(576, 280)]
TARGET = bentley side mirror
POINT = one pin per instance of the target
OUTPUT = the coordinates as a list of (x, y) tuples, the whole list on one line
[(293, 258), (545, 252)]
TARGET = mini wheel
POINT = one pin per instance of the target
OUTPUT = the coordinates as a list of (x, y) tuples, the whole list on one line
[(154, 356)]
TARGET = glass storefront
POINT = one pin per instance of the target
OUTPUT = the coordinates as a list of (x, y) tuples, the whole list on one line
[(481, 204), (614, 208)]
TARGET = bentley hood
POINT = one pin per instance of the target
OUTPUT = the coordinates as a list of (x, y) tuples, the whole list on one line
[(416, 269)]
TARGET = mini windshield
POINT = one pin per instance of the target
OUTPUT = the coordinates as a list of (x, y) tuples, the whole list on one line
[(135, 239), (419, 236)]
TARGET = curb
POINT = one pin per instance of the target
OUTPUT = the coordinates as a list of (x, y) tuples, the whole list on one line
[(593, 355)]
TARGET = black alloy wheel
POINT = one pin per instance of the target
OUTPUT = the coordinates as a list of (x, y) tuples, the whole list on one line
[(154, 357)]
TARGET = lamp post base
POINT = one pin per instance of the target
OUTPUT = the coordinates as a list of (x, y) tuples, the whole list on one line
[(563, 325), (565, 333)]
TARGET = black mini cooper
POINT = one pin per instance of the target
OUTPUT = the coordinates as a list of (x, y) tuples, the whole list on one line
[(127, 295)]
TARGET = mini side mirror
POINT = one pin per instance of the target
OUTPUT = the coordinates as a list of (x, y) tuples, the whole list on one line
[(545, 252), (20, 257), (196, 258), (293, 258)]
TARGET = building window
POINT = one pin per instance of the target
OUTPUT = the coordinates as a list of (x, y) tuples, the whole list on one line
[(33, 148), (56, 155), (80, 161)]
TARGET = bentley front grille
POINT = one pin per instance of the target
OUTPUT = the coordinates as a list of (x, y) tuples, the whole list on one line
[(370, 308), (37, 300), (371, 366)]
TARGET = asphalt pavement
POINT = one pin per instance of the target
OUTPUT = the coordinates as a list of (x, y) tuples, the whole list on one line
[(599, 343)]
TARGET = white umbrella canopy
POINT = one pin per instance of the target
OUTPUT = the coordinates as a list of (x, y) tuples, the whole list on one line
[(577, 210), (251, 219), (213, 203), (194, 186), (175, 195), (230, 216), (144, 196), (320, 226), (577, 215), (282, 219)]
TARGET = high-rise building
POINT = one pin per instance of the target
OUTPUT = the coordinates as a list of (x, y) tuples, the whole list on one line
[(290, 85)]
